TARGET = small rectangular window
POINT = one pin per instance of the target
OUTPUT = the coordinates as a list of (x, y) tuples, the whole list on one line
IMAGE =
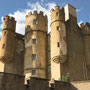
[(6, 23), (58, 45), (58, 28), (57, 14), (34, 22), (34, 41), (33, 72), (4, 33), (3, 46), (33, 56)]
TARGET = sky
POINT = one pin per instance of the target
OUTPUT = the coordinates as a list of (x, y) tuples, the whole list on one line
[(20, 8)]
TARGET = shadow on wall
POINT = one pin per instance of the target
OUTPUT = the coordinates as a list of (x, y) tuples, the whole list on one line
[(43, 84), (59, 85), (16, 82)]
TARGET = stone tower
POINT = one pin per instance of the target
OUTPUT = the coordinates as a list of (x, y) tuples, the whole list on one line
[(69, 45), (7, 40), (58, 41), (11, 48), (85, 30), (35, 45)]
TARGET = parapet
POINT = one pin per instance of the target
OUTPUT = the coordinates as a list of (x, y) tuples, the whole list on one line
[(56, 8), (9, 18), (9, 23), (36, 13), (85, 28), (36, 21)]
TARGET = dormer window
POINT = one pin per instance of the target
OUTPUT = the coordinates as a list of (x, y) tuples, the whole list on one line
[(34, 22)]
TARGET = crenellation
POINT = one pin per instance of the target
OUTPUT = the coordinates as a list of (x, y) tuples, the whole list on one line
[(57, 7), (9, 18), (85, 28), (41, 13), (29, 14), (35, 12)]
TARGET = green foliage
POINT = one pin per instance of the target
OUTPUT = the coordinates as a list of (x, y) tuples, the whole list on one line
[(66, 78)]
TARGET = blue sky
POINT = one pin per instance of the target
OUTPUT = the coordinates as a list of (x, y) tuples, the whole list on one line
[(19, 8)]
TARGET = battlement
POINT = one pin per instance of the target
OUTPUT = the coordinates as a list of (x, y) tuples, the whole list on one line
[(9, 18), (9, 23), (36, 21), (36, 13), (85, 28), (56, 8)]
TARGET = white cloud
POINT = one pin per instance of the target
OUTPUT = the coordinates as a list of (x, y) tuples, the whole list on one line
[(45, 8), (20, 15), (39, 6), (20, 18), (80, 22)]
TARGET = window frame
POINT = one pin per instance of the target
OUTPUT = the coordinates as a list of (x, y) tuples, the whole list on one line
[(34, 41), (34, 21), (33, 57), (34, 72)]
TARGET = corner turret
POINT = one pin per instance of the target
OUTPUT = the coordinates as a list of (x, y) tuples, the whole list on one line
[(7, 39), (85, 28)]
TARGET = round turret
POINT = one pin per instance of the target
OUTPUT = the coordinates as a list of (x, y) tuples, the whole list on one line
[(58, 41), (35, 45), (35, 21), (9, 23), (57, 14), (7, 39)]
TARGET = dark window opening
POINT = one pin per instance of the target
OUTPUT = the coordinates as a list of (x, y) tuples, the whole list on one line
[(58, 45), (57, 14), (33, 56), (34, 41), (33, 72), (6, 23), (34, 22), (58, 28), (3, 46), (4, 33)]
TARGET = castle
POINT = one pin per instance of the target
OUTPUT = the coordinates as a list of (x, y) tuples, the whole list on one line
[(30, 61)]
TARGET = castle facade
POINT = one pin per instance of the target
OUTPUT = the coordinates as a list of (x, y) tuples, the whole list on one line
[(39, 54)]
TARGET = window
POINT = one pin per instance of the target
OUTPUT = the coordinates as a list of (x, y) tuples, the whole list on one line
[(33, 72), (58, 28), (34, 22), (3, 46), (34, 41), (57, 14), (4, 33), (6, 23), (33, 56), (58, 45)]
